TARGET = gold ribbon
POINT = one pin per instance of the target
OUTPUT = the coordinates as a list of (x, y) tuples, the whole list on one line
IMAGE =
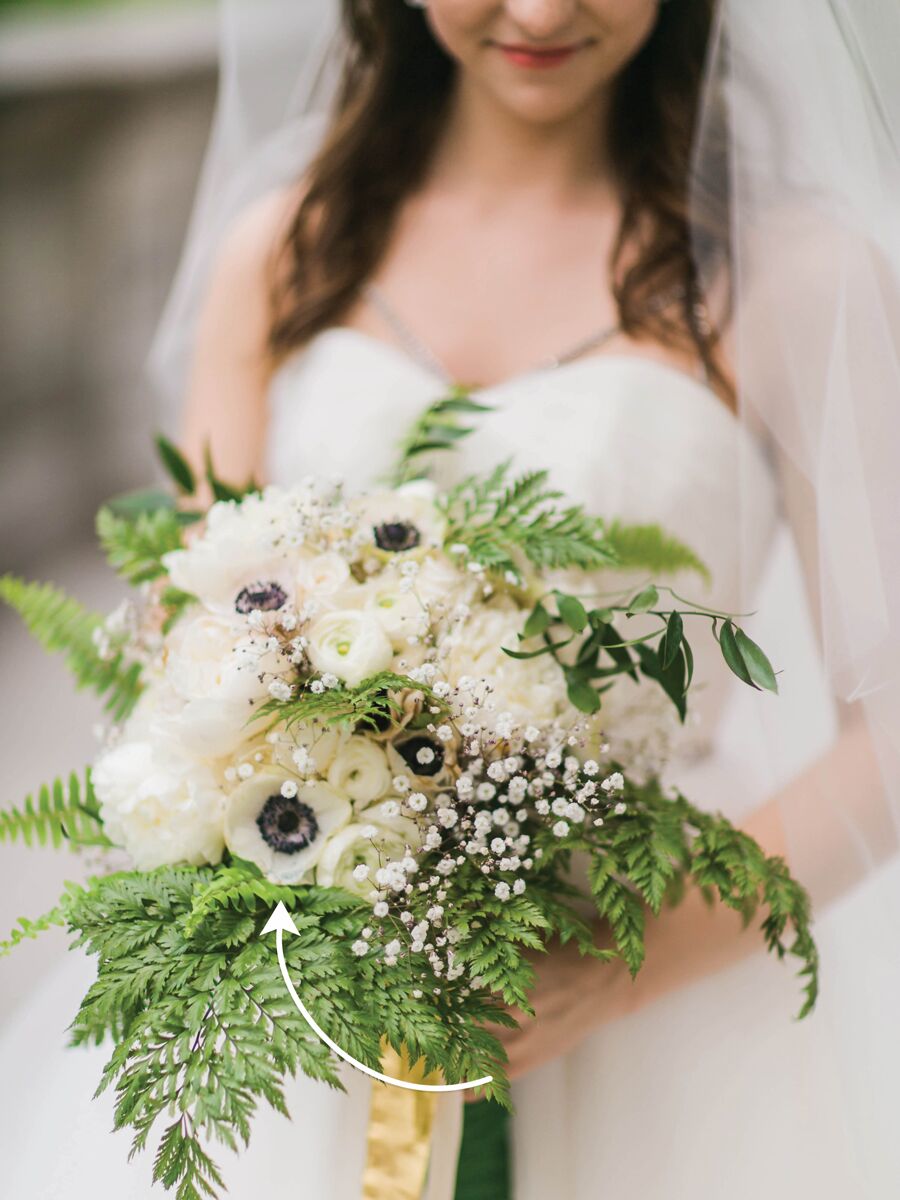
[(398, 1139)]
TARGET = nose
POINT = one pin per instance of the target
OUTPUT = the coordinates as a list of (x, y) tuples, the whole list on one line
[(542, 19)]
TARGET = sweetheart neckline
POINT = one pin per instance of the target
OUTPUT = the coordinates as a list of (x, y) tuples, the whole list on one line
[(387, 350)]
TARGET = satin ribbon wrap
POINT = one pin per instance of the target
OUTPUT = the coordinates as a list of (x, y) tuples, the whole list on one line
[(412, 1140)]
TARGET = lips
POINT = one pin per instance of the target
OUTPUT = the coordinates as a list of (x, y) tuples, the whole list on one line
[(538, 57)]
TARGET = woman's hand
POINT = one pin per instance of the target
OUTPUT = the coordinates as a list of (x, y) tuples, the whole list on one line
[(568, 1002)]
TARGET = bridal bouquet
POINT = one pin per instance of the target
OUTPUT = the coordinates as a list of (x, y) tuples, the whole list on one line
[(387, 714)]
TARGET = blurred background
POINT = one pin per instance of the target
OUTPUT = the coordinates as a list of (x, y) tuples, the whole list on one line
[(105, 108)]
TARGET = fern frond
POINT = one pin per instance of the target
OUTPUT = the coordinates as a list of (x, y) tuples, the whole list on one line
[(62, 812), (370, 704), (29, 930), (62, 625), (503, 521), (438, 428), (650, 548), (135, 548)]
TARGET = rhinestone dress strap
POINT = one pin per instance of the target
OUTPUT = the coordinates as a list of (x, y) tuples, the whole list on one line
[(424, 355)]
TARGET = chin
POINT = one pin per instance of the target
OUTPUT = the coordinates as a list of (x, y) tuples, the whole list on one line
[(542, 103)]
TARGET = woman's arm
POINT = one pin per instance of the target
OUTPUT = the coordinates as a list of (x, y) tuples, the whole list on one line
[(225, 406)]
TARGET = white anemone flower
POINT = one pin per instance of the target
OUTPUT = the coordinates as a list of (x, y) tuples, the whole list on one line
[(405, 520), (283, 835)]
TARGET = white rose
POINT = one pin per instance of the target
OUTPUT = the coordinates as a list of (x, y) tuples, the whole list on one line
[(351, 645), (360, 770), (390, 842), (283, 835), (322, 575), (159, 805)]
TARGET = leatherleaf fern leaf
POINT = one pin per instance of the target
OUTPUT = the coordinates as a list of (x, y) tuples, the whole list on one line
[(502, 522), (204, 1030), (644, 858), (64, 811), (650, 548), (62, 625), (135, 547)]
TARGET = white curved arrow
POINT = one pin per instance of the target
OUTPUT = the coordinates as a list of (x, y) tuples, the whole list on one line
[(281, 920)]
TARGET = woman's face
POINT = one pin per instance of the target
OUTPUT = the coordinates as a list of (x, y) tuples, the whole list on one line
[(542, 59)]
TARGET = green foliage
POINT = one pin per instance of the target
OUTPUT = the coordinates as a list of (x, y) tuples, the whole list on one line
[(369, 705), (439, 428), (204, 1028), (135, 547), (650, 548), (62, 625), (645, 857), (604, 654), (504, 523), (29, 930), (63, 812), (176, 466)]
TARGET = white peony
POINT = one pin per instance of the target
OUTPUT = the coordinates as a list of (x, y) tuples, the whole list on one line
[(220, 674), (161, 806), (533, 690), (360, 770), (349, 644), (389, 840), (283, 834)]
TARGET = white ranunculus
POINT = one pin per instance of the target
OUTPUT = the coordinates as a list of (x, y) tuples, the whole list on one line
[(161, 806), (413, 505), (322, 575), (360, 770), (349, 644), (242, 545), (284, 835), (349, 849), (399, 612)]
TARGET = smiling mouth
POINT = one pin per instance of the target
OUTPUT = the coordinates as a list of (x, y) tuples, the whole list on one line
[(537, 57)]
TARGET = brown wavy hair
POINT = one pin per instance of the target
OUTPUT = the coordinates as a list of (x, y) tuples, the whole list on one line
[(392, 99)]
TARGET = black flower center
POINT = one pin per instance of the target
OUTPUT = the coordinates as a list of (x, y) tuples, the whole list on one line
[(287, 824), (396, 536), (266, 597), (422, 755)]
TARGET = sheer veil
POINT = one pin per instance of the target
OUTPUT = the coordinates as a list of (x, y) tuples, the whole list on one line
[(800, 129)]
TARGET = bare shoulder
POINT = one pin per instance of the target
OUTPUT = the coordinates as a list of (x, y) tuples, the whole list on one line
[(250, 247)]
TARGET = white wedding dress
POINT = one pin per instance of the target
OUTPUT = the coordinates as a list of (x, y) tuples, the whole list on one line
[(712, 1092)]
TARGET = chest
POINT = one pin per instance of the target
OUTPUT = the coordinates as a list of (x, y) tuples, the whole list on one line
[(495, 293)]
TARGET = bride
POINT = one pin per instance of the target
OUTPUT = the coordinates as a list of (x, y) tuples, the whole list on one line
[(516, 195)]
